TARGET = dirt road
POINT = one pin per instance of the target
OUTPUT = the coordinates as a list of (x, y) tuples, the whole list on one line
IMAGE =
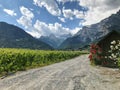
[(74, 74)]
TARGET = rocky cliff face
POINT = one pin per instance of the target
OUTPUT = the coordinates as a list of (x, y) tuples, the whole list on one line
[(90, 33)]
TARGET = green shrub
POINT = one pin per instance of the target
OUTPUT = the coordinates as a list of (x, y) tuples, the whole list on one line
[(113, 54), (109, 58), (119, 63), (12, 60), (95, 55)]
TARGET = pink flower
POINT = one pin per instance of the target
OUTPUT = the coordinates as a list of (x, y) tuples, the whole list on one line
[(90, 56)]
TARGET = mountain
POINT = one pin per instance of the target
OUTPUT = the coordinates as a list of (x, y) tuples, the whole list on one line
[(14, 37), (90, 33), (54, 41)]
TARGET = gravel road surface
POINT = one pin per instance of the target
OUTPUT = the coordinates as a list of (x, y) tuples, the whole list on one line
[(74, 74)]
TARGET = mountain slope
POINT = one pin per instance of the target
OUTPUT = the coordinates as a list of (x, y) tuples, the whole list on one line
[(14, 37), (52, 40), (90, 33)]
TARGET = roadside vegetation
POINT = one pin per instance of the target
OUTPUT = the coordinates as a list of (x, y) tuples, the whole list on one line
[(13, 60), (111, 58)]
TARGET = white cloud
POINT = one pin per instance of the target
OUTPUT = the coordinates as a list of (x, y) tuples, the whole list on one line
[(41, 28), (24, 21), (26, 18), (71, 14), (57, 29), (61, 19), (26, 12), (78, 14), (33, 33), (68, 13), (50, 5), (47, 29), (64, 1), (99, 9), (10, 12), (74, 31)]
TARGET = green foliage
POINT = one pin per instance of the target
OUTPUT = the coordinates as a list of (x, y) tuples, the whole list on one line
[(113, 54), (119, 63), (95, 55), (12, 60), (110, 58)]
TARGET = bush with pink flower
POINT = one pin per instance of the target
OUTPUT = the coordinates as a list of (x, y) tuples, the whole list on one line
[(111, 58), (95, 54)]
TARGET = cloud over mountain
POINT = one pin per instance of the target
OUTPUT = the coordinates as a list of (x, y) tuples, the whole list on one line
[(56, 29), (43, 17), (10, 12), (99, 9), (26, 18)]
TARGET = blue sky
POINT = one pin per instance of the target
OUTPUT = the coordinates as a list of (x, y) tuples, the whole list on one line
[(59, 17)]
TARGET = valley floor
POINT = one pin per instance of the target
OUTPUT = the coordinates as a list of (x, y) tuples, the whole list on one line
[(74, 74)]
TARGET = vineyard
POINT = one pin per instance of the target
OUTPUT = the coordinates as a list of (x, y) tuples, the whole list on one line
[(13, 60)]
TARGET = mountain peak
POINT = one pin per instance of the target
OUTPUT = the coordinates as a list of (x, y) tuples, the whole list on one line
[(52, 36)]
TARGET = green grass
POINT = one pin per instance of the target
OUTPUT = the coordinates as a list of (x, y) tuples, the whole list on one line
[(13, 60)]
